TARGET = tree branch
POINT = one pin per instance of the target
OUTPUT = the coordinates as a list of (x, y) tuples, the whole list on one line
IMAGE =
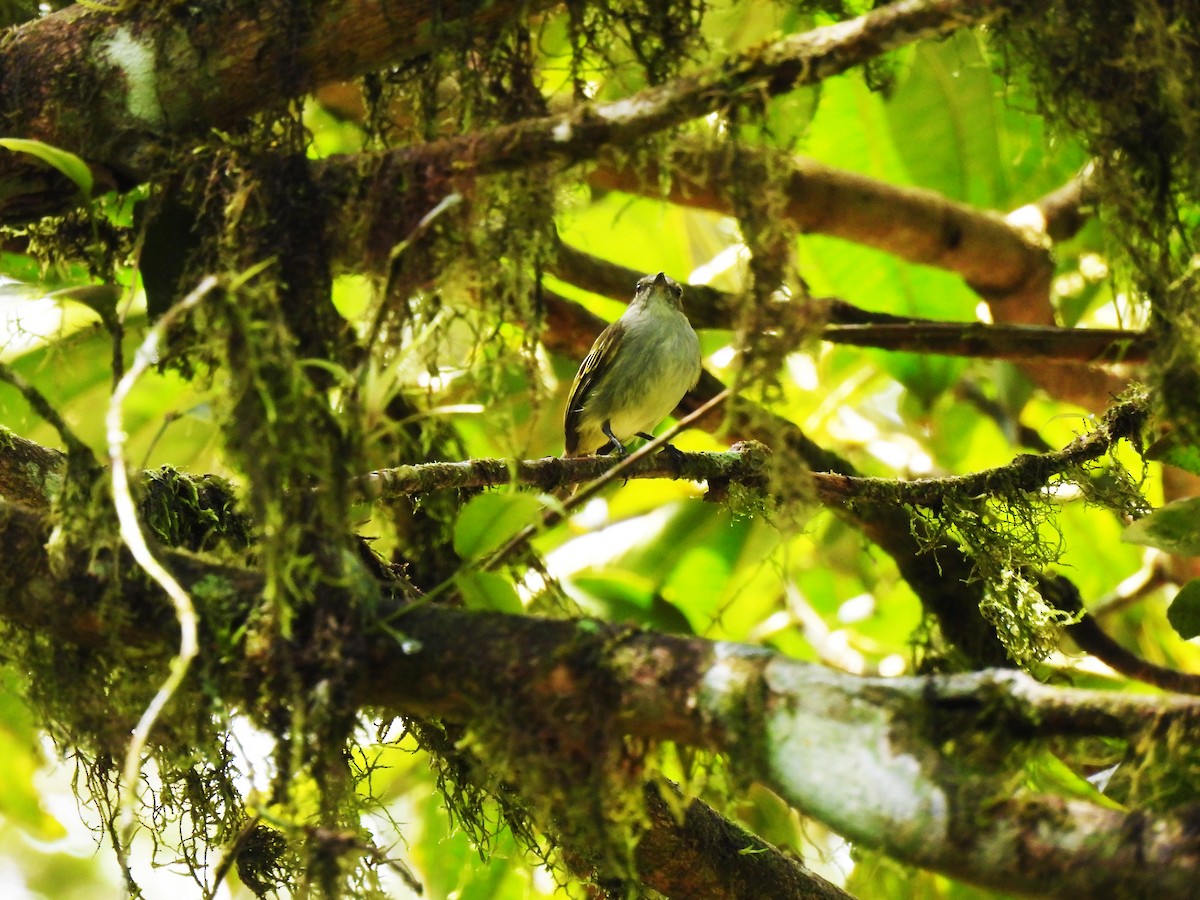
[(137, 79), (1061, 213), (1028, 472), (866, 756), (30, 474), (997, 260), (858, 754), (1011, 342), (743, 463), (709, 307)]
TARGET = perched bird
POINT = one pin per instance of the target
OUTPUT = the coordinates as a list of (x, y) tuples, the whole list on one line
[(636, 373)]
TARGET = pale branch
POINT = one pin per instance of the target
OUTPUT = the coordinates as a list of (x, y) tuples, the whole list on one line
[(999, 261), (866, 756), (358, 187), (134, 537), (744, 463), (1061, 213), (777, 68), (153, 77)]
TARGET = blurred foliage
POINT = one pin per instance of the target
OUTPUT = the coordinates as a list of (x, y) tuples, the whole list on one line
[(440, 359)]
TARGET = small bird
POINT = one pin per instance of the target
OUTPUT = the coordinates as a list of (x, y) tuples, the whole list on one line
[(635, 374)]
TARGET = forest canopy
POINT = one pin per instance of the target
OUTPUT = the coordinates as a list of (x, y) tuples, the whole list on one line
[(301, 597)]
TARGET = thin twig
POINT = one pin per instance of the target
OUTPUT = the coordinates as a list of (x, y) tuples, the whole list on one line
[(553, 516), (131, 533), (1027, 472), (43, 407)]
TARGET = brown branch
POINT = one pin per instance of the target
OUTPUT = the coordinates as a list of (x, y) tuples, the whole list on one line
[(709, 307), (223, 63), (696, 855), (137, 79), (1006, 263), (1011, 342), (997, 260), (1061, 213), (30, 474)]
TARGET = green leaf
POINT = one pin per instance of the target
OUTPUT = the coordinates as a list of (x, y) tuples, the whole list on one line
[(101, 298), (1174, 528), (1169, 449), (65, 161), (489, 592), (1046, 773), (1184, 611), (491, 519), (618, 595), (20, 801)]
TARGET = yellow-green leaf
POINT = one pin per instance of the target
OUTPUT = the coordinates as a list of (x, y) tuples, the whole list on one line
[(489, 592), (1174, 528), (491, 519), (63, 160)]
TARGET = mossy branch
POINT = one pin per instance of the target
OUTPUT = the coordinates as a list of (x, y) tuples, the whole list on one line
[(862, 736), (744, 463), (225, 63), (1028, 472)]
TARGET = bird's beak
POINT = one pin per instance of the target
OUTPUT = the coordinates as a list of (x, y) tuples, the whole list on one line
[(660, 280)]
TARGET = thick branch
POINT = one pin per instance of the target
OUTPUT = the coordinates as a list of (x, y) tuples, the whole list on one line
[(29, 473), (859, 754), (997, 260), (863, 755), (703, 849), (133, 81)]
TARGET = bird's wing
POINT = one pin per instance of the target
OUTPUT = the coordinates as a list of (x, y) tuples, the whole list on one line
[(599, 359)]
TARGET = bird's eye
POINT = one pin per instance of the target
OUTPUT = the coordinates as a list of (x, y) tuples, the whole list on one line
[(679, 292)]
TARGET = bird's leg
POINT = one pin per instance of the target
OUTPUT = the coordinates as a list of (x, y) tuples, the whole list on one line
[(670, 449), (614, 445)]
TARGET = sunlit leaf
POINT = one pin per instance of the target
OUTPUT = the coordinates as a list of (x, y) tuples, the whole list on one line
[(20, 800), (488, 591), (491, 519), (1047, 773), (1174, 528), (1184, 611), (65, 161)]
